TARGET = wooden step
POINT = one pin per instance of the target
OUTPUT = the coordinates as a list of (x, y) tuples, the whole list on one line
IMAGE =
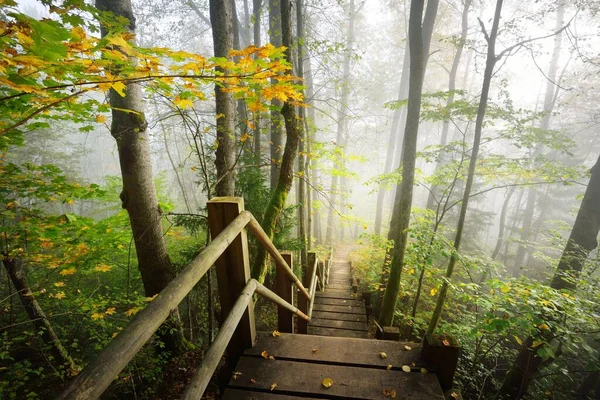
[(237, 394), (346, 351), (349, 309), (317, 330), (339, 316), (338, 302), (341, 324), (301, 378), (347, 294)]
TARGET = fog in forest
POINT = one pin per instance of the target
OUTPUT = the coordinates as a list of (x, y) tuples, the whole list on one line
[(447, 147)]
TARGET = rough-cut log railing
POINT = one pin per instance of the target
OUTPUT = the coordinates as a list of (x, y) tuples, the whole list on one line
[(228, 251)]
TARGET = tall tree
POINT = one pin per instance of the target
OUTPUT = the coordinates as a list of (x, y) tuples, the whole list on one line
[(221, 19), (256, 11), (409, 156), (129, 128), (302, 175), (490, 63), (276, 120), (286, 170)]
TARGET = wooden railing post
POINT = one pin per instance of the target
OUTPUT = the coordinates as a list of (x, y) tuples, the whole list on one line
[(284, 289), (304, 303), (233, 270), (321, 272)]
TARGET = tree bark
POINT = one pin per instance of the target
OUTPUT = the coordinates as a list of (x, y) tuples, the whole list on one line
[(41, 323), (409, 150), (256, 10), (286, 172), (276, 119), (491, 60), (221, 18), (138, 197), (302, 197)]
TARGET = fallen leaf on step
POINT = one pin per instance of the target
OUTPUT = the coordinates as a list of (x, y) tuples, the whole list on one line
[(405, 368), (273, 386), (389, 367), (265, 354), (271, 358), (389, 393), (252, 381), (236, 374), (315, 350), (327, 383), (382, 355), (276, 333), (407, 348), (446, 342), (454, 395), (424, 370)]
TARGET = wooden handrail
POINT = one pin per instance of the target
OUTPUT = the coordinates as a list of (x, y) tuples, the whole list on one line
[(211, 359), (263, 238), (99, 374)]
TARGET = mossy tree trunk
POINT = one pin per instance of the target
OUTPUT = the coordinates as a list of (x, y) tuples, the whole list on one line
[(409, 153), (286, 170), (276, 142), (129, 128)]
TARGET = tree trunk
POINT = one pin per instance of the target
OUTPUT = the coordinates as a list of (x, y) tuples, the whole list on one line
[(582, 241), (139, 194), (256, 8), (286, 172), (431, 200), (221, 18), (41, 323), (502, 223), (409, 150), (276, 119), (485, 90), (342, 120), (301, 148)]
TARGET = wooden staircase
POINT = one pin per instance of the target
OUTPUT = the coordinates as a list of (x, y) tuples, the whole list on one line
[(293, 366)]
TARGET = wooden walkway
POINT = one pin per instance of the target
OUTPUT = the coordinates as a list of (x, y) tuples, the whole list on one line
[(338, 311), (294, 366)]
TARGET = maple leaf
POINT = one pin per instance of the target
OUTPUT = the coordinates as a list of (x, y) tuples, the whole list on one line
[(96, 316), (183, 103), (59, 295), (405, 368), (265, 354), (68, 271), (327, 383), (119, 87), (236, 374), (109, 311), (132, 311), (276, 333), (59, 284), (102, 268)]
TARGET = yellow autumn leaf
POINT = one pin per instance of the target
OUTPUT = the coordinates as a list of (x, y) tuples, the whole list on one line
[(102, 268), (273, 386), (433, 291), (544, 327), (132, 311), (97, 315), (276, 333), (149, 299), (382, 355), (389, 367), (60, 295), (424, 370), (407, 348), (119, 41), (327, 383), (265, 354), (100, 118), (183, 103), (68, 271), (518, 339), (59, 284), (505, 289), (110, 311), (119, 87), (405, 368)]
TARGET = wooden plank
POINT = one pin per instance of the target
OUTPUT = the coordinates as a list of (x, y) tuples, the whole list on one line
[(339, 316), (330, 323), (304, 303), (341, 309), (284, 289), (316, 330), (337, 350), (348, 382), (337, 294), (236, 394), (233, 270), (338, 286), (338, 302)]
